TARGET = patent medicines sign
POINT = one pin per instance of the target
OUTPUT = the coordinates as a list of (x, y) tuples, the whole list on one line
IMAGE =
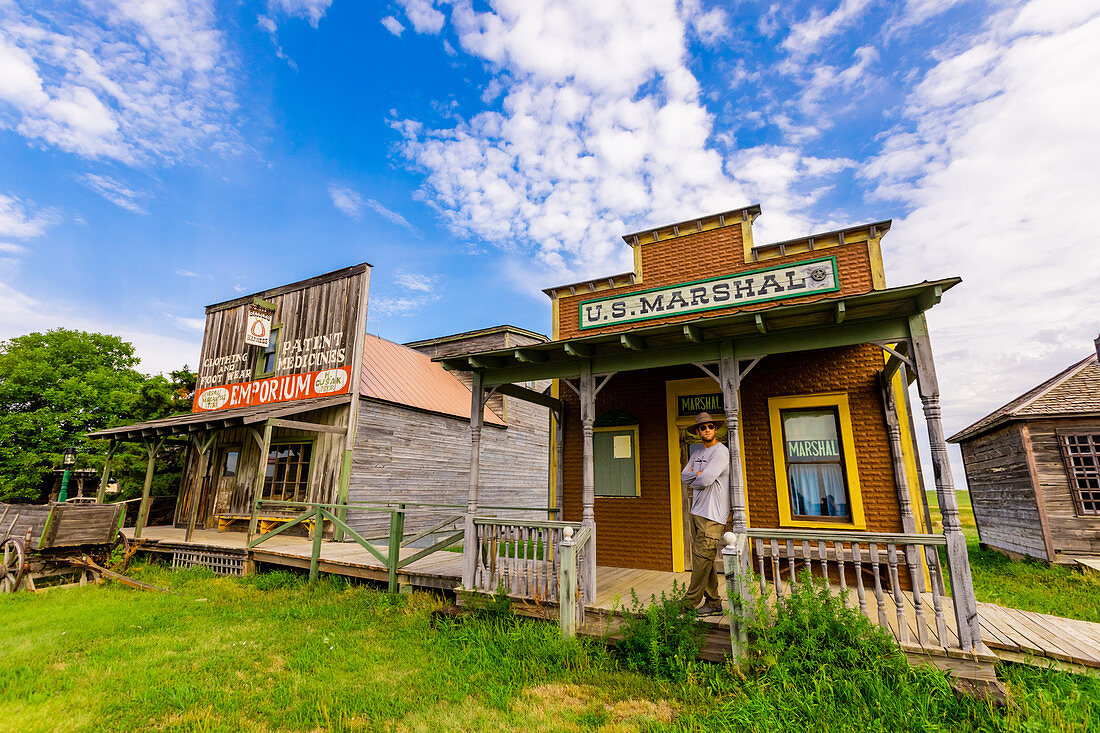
[(744, 288), (326, 383), (258, 326)]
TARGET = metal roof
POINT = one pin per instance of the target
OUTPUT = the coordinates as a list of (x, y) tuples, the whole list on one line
[(751, 330), (401, 376), (215, 419)]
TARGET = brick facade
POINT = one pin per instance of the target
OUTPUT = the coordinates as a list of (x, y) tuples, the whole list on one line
[(636, 532)]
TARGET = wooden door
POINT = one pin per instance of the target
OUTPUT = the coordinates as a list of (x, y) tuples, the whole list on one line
[(227, 465)]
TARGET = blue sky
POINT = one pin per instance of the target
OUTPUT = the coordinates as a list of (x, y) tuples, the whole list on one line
[(160, 155)]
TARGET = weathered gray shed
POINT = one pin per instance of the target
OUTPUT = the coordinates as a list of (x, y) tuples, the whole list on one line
[(1033, 468)]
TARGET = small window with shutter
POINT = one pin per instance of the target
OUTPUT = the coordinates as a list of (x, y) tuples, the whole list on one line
[(615, 454)]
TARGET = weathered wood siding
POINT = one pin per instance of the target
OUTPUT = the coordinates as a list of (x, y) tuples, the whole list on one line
[(235, 496), (1001, 492), (318, 319), (414, 456), (1069, 533)]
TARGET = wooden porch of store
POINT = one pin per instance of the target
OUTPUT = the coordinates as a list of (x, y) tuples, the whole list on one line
[(1007, 634)]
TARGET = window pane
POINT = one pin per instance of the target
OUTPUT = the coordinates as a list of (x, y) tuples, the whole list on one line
[(815, 467), (231, 459)]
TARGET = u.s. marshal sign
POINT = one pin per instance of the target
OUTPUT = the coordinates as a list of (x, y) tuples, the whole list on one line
[(788, 281)]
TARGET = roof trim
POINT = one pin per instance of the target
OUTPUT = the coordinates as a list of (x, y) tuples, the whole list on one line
[(231, 418), (503, 328), (291, 287), (748, 213), (883, 226), (877, 305)]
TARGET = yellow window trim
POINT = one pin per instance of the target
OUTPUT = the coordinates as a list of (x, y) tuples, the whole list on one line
[(839, 400), (633, 430), (673, 389)]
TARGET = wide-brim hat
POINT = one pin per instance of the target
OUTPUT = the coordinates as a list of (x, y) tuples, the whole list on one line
[(702, 419)]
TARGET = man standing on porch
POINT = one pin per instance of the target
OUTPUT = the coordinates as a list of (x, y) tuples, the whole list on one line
[(707, 474)]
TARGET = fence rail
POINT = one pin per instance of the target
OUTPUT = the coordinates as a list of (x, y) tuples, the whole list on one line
[(892, 571)]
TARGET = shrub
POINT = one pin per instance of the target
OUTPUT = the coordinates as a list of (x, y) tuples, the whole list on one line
[(662, 638)]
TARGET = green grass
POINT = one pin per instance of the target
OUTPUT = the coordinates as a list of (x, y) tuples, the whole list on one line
[(1025, 584), (271, 653)]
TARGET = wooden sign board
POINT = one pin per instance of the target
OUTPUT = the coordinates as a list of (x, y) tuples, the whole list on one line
[(257, 330), (744, 288), (326, 383)]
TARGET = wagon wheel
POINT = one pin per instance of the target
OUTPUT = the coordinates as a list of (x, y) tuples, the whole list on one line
[(11, 572)]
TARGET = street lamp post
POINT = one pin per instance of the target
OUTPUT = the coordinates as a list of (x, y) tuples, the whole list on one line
[(68, 458)]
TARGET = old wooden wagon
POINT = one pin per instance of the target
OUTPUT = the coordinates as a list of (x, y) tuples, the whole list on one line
[(44, 544)]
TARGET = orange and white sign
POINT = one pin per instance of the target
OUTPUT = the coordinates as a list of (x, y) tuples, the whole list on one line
[(258, 326), (325, 383)]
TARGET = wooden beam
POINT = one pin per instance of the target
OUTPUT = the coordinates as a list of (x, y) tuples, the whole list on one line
[(693, 333), (760, 325), (455, 365), (634, 343), (279, 422), (485, 362), (896, 360), (579, 350), (838, 312), (530, 395), (530, 356), (929, 297)]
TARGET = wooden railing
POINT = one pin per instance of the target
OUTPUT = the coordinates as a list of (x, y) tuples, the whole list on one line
[(528, 560), (889, 573)]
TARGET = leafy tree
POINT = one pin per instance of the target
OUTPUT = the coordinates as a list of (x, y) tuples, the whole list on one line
[(57, 386)]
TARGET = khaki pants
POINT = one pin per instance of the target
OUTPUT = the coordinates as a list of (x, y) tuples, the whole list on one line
[(704, 548)]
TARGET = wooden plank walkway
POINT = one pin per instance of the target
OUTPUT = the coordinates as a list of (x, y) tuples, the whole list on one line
[(1008, 633)]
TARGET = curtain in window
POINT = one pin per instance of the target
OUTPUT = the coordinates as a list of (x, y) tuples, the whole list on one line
[(817, 490)]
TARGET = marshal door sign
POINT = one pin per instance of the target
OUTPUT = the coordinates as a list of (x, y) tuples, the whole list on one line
[(744, 288)]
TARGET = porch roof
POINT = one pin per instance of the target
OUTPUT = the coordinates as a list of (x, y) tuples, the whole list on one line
[(215, 419), (875, 316)]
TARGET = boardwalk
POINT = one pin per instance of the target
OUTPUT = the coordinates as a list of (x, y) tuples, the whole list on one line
[(1007, 633)]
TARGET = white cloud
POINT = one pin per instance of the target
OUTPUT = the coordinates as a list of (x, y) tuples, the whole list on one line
[(996, 160), (598, 130), (405, 306), (117, 193), (12, 248), (416, 281), (15, 221), (393, 25), (188, 324), (423, 16), (807, 36), (311, 10), (128, 80), (352, 203)]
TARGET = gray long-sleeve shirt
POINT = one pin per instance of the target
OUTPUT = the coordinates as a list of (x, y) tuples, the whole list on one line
[(708, 474)]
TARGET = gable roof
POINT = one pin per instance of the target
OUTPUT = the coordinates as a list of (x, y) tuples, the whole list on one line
[(401, 376), (1073, 391)]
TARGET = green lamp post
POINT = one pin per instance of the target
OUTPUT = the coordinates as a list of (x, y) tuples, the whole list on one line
[(68, 458)]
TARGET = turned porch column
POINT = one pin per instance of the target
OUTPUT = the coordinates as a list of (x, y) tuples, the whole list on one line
[(469, 539), (958, 561), (587, 390)]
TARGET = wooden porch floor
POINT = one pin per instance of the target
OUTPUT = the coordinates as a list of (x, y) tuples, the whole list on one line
[(1007, 633)]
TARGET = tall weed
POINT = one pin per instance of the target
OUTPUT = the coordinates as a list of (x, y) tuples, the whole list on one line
[(662, 638)]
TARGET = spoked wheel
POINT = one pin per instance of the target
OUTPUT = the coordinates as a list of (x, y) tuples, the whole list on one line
[(11, 572)]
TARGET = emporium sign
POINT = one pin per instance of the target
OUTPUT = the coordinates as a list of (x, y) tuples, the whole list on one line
[(731, 291), (288, 388)]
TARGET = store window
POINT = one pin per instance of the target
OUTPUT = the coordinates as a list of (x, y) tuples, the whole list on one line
[(615, 454), (287, 474), (815, 466), (265, 365), (1081, 452)]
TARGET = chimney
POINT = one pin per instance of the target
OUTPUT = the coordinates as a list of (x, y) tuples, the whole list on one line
[(1097, 344)]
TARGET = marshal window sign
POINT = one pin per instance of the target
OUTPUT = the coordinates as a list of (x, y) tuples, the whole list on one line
[(744, 288), (693, 404), (258, 326)]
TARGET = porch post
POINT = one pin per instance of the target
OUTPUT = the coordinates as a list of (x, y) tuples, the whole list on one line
[(258, 480), (588, 475), (152, 447), (559, 469), (469, 539), (735, 552), (101, 495), (197, 493), (958, 561), (893, 430)]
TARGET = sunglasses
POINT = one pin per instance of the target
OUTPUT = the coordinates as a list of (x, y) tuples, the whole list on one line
[(707, 426)]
